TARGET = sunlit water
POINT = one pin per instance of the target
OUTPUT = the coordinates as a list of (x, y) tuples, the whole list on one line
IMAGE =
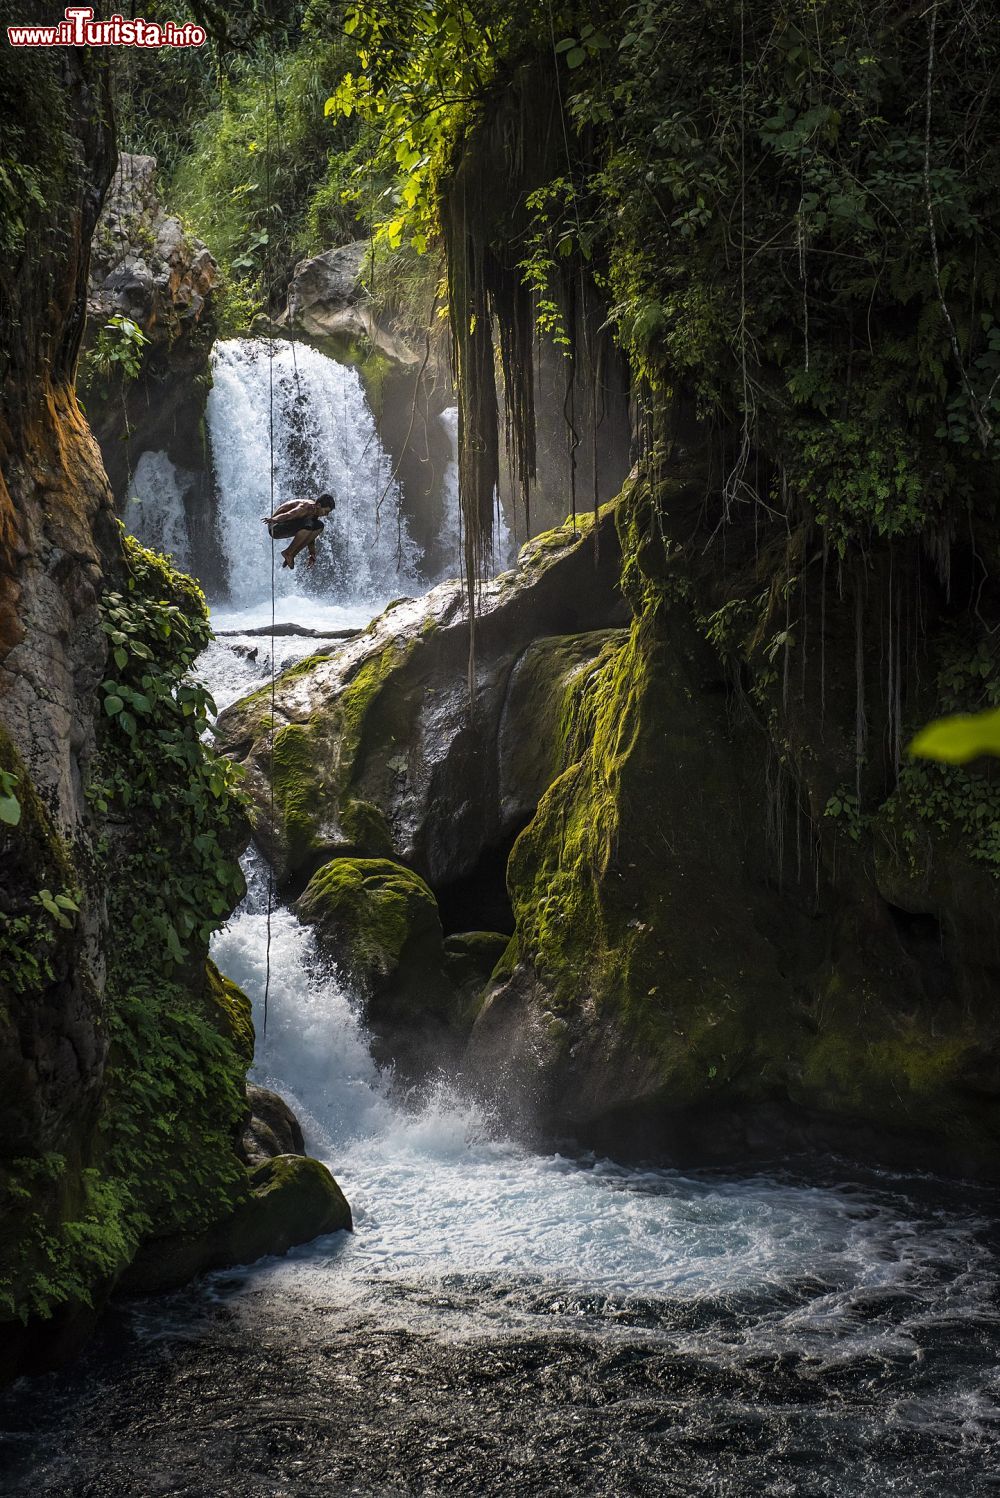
[(508, 1321)]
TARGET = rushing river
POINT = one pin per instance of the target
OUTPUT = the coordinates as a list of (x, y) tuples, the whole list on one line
[(509, 1322)]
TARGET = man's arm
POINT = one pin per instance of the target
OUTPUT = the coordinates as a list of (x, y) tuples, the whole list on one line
[(292, 509)]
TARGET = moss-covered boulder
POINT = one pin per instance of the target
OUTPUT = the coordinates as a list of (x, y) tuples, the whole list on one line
[(290, 1199), (377, 749), (379, 921), (642, 976), (542, 721), (706, 961)]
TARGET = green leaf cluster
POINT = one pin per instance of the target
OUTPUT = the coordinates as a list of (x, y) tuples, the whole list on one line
[(264, 179), (171, 819), (172, 806), (778, 228), (117, 350)]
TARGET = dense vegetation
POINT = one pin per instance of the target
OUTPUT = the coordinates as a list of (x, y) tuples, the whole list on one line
[(180, 1035)]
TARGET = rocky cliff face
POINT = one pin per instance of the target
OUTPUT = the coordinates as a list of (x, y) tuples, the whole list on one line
[(150, 428), (56, 530), (122, 1076), (143, 265)]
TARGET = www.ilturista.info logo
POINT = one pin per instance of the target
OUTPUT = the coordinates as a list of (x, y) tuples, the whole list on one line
[(79, 29)]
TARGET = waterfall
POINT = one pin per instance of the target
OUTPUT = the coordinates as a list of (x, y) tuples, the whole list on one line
[(155, 512), (451, 518), (324, 439), (451, 521)]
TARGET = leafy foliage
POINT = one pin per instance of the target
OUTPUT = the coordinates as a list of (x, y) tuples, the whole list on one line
[(117, 349), (180, 1038), (10, 807), (263, 182), (787, 206), (171, 802)]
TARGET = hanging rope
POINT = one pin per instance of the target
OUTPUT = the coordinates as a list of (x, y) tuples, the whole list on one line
[(269, 294), (270, 439)]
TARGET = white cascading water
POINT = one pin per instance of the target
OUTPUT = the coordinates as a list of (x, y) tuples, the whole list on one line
[(451, 515), (155, 512), (324, 440), (451, 523)]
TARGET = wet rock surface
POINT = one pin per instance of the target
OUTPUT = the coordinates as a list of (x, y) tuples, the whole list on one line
[(272, 1128), (379, 923), (378, 749)]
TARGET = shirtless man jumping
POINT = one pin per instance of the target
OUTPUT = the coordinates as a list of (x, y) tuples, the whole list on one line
[(298, 521)]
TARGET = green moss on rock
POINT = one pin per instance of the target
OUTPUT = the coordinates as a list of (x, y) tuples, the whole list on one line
[(547, 715), (300, 784), (366, 828), (310, 765), (291, 1199), (627, 887), (471, 958), (649, 969), (380, 921)]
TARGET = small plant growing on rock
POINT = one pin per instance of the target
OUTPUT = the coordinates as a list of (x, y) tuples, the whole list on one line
[(118, 348)]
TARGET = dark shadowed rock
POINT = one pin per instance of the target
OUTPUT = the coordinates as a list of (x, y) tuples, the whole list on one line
[(272, 1128)]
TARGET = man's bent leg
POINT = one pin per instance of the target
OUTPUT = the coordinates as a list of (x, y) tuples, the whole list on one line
[(298, 541)]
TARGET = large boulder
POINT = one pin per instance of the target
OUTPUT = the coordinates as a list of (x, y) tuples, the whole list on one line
[(541, 721), (710, 957), (380, 923), (291, 1200), (380, 750), (327, 298)]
